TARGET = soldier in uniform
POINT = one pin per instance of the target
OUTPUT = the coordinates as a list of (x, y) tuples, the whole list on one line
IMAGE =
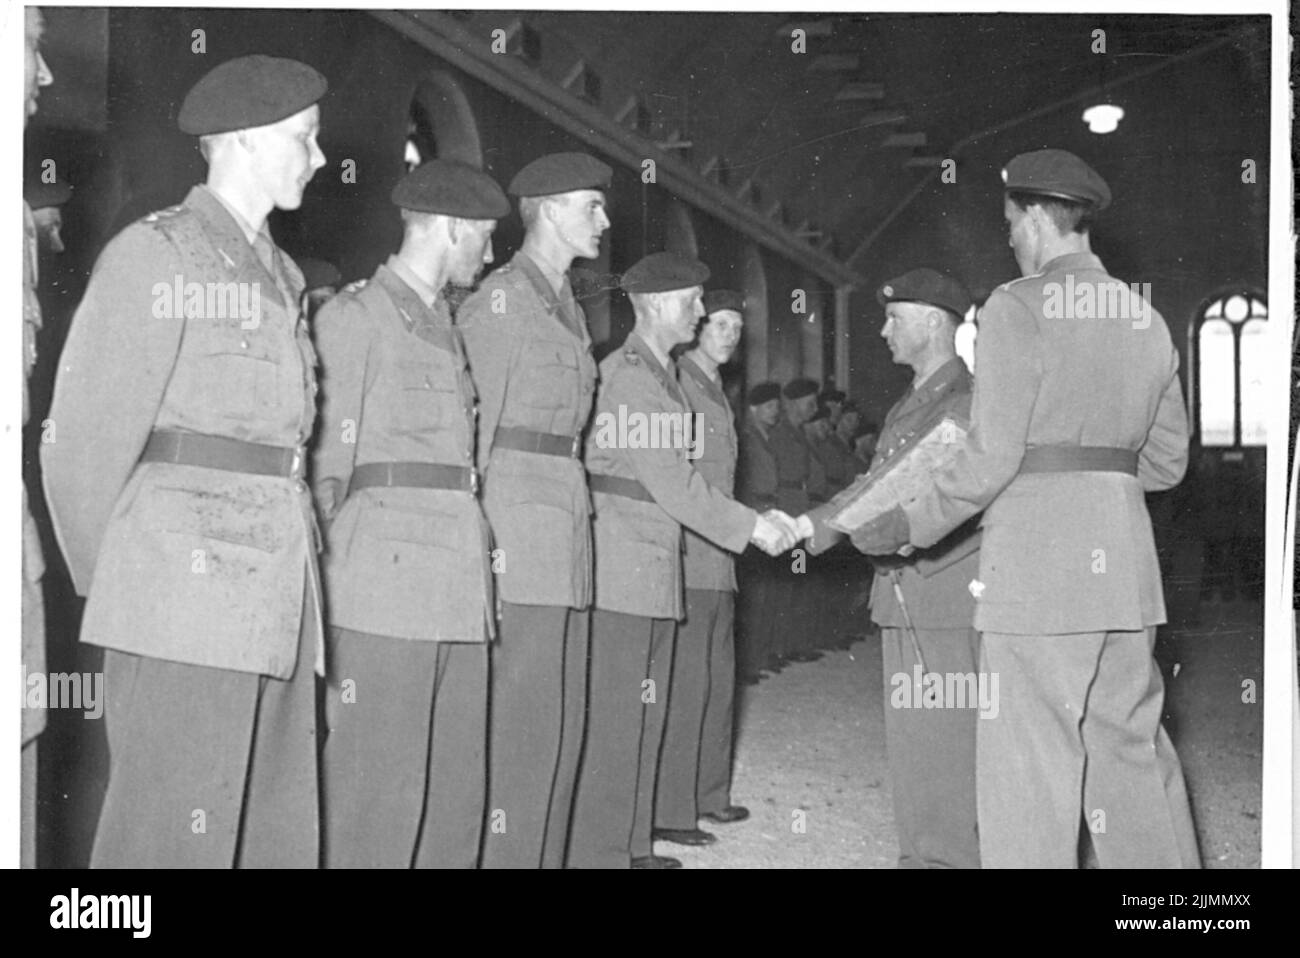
[(407, 570), (756, 488), (36, 75), (1077, 412), (184, 400), (644, 490), (695, 765), (530, 357), (923, 603), (842, 462)]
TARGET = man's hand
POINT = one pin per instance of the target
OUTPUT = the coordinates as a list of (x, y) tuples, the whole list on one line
[(803, 527), (883, 535), (774, 532)]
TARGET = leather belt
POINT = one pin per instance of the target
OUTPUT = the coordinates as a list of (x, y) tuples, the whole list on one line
[(221, 452), (1079, 459), (414, 475), (618, 486), (529, 440)]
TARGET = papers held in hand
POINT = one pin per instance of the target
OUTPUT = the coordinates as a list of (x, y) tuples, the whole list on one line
[(899, 478)]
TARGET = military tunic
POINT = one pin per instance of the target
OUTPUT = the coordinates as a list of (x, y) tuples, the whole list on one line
[(931, 751), (407, 581), (695, 764), (530, 358), (1070, 589), (639, 597), (202, 582)]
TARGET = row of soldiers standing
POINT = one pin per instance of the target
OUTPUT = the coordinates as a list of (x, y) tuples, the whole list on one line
[(497, 661), (798, 448)]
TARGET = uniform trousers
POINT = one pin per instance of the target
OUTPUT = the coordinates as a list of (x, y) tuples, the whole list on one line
[(536, 722), (27, 845), (931, 750), (695, 763), (404, 766), (210, 768), (1078, 738), (786, 607), (631, 668), (753, 624)]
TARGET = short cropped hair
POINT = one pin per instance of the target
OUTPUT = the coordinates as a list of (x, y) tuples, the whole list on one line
[(1068, 216)]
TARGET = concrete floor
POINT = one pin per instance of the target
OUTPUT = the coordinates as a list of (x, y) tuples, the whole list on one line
[(811, 765)]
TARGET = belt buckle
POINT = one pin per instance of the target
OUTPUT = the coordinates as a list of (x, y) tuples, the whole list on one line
[(473, 481), (574, 449), (296, 470)]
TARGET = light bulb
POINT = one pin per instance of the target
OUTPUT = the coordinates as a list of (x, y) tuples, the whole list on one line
[(1103, 118)]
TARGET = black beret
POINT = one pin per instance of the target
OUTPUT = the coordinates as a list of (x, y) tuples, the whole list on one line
[(561, 173), (660, 272), (40, 195), (716, 299), (1056, 173), (318, 272), (833, 395), (249, 91), (926, 286), (798, 388), (764, 392), (451, 188)]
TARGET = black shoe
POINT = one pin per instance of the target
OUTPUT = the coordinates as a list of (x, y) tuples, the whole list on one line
[(656, 861), (684, 836), (732, 813)]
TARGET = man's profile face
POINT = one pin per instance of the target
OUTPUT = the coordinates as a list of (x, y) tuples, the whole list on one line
[(580, 219), (802, 409), (768, 413), (36, 73), (472, 250), (906, 331), (286, 156), (720, 335), (679, 312)]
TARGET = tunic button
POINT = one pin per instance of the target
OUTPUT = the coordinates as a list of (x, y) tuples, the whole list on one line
[(243, 344), (299, 485)]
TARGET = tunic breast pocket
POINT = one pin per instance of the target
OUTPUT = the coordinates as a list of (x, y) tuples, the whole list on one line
[(426, 397), (246, 385), (552, 373)]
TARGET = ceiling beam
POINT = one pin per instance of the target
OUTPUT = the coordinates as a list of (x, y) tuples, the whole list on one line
[(966, 142), (447, 39)]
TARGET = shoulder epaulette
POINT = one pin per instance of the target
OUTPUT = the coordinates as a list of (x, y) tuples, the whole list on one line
[(355, 286), (162, 215)]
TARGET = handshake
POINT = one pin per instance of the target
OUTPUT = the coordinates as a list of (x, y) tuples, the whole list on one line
[(775, 532)]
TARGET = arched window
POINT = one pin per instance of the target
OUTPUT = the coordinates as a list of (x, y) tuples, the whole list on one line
[(1229, 355)]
